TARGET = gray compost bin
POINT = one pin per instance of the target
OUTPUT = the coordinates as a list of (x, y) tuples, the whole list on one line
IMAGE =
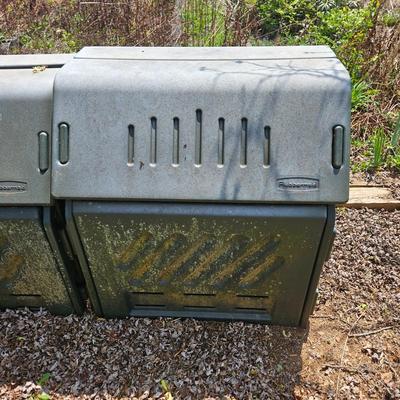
[(201, 182), (35, 266)]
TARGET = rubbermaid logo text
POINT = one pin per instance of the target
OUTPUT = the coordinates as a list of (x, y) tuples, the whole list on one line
[(298, 184), (12, 187)]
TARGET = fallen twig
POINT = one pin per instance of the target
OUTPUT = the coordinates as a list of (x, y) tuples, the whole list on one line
[(371, 332), (342, 367)]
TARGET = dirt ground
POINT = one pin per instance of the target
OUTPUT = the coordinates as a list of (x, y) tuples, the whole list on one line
[(351, 350)]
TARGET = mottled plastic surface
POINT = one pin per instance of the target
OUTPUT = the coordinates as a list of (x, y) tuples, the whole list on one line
[(26, 106), (33, 272), (223, 124), (253, 263)]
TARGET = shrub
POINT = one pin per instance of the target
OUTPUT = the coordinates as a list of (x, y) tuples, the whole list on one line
[(342, 25), (345, 30), (284, 19)]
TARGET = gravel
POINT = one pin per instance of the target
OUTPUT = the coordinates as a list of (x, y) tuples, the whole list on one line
[(44, 356)]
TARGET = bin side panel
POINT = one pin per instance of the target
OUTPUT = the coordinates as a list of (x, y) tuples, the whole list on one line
[(29, 274), (324, 251)]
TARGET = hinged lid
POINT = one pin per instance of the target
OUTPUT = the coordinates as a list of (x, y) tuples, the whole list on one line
[(34, 60), (25, 127), (205, 53), (259, 124)]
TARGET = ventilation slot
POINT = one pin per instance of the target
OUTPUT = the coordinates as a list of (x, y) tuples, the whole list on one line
[(153, 142), (200, 294), (198, 134), (147, 293), (267, 136), (148, 306), (131, 144), (221, 141), (175, 149), (244, 296), (243, 144), (143, 299)]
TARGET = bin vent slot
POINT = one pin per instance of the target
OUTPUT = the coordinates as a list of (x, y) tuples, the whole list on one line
[(148, 293), (251, 310), (200, 294), (131, 144), (267, 143), (198, 138), (247, 296), (146, 299), (147, 306), (221, 141), (243, 143), (153, 141), (175, 148)]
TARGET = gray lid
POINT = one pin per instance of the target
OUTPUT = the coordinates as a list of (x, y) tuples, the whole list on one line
[(25, 127), (33, 60), (254, 124), (206, 53)]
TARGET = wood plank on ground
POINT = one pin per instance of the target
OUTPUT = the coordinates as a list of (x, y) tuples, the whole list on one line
[(371, 197)]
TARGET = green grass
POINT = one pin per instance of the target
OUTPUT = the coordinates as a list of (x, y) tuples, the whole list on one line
[(379, 151), (361, 95)]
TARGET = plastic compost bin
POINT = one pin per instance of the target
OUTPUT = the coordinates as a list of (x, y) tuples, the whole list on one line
[(195, 182), (36, 267)]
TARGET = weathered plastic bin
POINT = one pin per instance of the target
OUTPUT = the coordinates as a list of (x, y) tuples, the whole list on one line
[(36, 264), (201, 182)]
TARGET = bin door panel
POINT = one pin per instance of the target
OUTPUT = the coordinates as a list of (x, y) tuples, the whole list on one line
[(207, 261), (29, 273)]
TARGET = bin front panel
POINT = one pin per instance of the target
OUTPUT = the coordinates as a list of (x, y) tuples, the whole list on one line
[(215, 261)]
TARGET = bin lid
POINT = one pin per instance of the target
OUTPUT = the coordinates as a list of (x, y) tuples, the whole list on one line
[(205, 53), (34, 60), (248, 124), (25, 127)]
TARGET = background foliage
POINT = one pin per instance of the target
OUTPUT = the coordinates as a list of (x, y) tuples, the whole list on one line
[(365, 34)]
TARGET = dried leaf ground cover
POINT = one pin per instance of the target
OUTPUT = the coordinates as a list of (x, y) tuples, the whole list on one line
[(351, 351)]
